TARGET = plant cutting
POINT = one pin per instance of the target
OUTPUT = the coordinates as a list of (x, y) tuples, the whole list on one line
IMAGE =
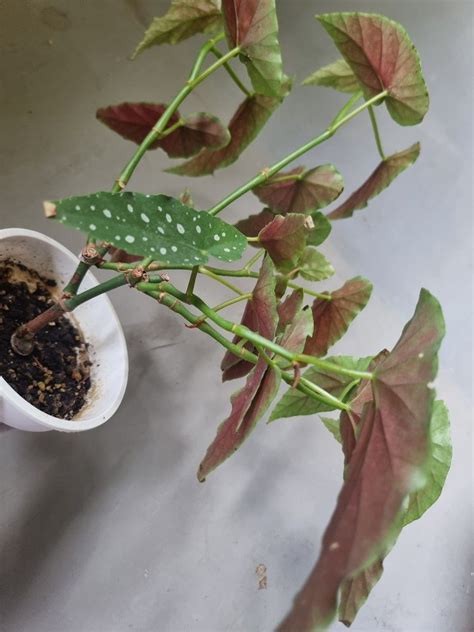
[(394, 435)]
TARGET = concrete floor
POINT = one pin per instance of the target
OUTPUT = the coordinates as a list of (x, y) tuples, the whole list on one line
[(109, 531)]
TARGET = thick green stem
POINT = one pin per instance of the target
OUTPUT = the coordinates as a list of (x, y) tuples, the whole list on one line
[(271, 171), (244, 332), (375, 128), (177, 306)]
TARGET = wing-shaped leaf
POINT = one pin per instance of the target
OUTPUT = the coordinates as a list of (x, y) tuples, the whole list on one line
[(248, 406), (386, 465), (354, 591), (134, 121), (260, 315), (301, 190), (156, 225), (379, 180), (313, 265), (440, 454), (337, 75), (253, 26), (383, 57), (284, 238), (183, 19), (333, 316), (295, 403), (321, 230), (250, 117)]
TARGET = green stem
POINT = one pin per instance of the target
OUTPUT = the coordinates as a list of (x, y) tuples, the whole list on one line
[(160, 126), (244, 332), (79, 273), (192, 281), (347, 107), (203, 53), (253, 260), (220, 280), (231, 73), (375, 129), (232, 301), (268, 173), (177, 306), (102, 288)]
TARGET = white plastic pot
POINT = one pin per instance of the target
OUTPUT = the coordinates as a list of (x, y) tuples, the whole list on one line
[(99, 325)]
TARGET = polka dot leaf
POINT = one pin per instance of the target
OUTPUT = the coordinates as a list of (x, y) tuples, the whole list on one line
[(156, 225)]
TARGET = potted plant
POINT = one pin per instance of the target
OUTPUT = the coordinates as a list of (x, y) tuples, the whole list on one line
[(394, 435)]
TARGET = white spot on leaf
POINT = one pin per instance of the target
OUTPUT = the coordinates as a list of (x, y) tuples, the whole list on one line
[(130, 239), (145, 218), (92, 226), (107, 213), (180, 228)]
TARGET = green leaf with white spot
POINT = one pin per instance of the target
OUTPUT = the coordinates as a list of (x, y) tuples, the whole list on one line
[(151, 225)]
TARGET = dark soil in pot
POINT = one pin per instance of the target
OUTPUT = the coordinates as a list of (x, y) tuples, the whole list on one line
[(55, 377)]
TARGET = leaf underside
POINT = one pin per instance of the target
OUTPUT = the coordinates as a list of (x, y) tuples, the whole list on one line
[(309, 190), (183, 19), (379, 180), (253, 25), (250, 403), (382, 57), (284, 238), (333, 317), (248, 120), (134, 121), (260, 315), (152, 225), (388, 463)]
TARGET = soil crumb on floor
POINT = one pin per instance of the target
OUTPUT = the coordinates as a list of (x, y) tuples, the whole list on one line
[(56, 376)]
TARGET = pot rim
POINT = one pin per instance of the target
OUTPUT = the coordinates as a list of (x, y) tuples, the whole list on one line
[(42, 418)]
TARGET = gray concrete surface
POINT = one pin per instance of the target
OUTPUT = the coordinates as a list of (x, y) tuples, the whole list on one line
[(109, 531)]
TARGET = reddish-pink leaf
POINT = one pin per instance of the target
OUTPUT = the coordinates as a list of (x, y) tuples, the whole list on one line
[(296, 333), (301, 190), (260, 315), (199, 130), (386, 465), (251, 116), (379, 180), (252, 25), (382, 57), (288, 309), (362, 396), (248, 406), (354, 591), (134, 121), (332, 317), (285, 239), (251, 226)]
